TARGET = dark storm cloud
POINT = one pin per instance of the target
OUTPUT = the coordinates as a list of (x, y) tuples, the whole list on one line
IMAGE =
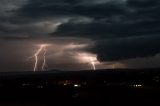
[(103, 30), (139, 17), (124, 48), (21, 20), (124, 35), (122, 29), (46, 9), (43, 8)]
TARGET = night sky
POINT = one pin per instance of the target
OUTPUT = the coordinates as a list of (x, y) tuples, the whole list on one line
[(114, 33)]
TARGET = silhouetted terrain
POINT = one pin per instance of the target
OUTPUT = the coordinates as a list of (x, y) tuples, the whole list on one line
[(101, 87)]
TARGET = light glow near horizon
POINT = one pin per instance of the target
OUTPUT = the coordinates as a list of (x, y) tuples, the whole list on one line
[(88, 58), (72, 50)]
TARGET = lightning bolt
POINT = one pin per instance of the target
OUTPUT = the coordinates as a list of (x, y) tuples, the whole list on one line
[(42, 48), (92, 63), (113, 66), (87, 58), (44, 58)]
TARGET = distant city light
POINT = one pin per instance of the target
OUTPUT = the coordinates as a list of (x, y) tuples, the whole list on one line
[(25, 84), (65, 84), (137, 85), (77, 85)]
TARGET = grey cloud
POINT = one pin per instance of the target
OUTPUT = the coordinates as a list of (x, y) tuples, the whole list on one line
[(130, 34), (103, 30), (146, 62), (121, 29), (43, 9), (9, 5), (139, 20)]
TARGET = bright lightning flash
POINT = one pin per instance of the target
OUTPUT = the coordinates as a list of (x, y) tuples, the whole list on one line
[(90, 58), (93, 63), (42, 49)]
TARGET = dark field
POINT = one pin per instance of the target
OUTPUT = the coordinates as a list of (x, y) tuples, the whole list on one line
[(101, 87)]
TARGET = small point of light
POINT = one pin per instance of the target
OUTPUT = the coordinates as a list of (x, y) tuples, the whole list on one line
[(65, 84), (25, 84), (77, 85), (137, 85)]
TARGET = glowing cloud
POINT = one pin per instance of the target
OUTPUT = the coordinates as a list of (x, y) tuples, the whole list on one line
[(88, 58)]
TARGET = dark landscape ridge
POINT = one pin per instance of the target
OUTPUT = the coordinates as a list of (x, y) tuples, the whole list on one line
[(150, 78), (87, 73), (55, 71), (109, 87)]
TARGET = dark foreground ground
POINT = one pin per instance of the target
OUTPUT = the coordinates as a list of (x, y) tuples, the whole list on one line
[(82, 88)]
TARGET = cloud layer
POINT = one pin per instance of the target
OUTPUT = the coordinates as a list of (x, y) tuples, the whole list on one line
[(120, 29)]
